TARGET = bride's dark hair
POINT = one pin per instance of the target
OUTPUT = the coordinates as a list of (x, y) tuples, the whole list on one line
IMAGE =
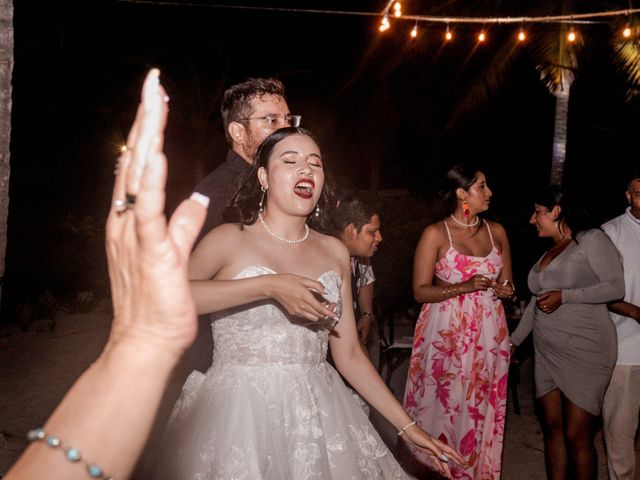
[(244, 205)]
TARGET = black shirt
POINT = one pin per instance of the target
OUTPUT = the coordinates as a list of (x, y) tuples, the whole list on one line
[(219, 186)]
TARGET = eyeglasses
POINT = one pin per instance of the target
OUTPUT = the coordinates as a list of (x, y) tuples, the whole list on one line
[(273, 120)]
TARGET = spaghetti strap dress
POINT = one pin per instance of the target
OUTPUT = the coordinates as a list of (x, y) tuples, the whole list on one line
[(457, 382)]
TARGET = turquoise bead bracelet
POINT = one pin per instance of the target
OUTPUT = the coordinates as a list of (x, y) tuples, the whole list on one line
[(72, 454)]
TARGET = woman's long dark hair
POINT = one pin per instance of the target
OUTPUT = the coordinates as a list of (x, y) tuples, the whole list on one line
[(244, 205), (461, 175), (573, 214)]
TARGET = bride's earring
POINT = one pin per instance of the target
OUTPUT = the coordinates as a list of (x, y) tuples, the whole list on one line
[(317, 211), (261, 204)]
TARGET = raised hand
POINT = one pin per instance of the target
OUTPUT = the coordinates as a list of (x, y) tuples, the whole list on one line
[(147, 256)]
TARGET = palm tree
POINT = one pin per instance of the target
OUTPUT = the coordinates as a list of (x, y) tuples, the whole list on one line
[(557, 74), (557, 60), (6, 69)]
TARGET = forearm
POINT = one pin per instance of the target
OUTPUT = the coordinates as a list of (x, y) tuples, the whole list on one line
[(107, 414), (215, 295), (365, 298), (362, 375), (438, 293), (525, 325), (605, 291), (625, 309)]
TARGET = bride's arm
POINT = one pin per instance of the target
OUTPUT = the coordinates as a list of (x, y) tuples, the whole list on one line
[(354, 365), (293, 292)]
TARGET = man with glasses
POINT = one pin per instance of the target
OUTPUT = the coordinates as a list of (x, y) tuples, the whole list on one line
[(251, 111)]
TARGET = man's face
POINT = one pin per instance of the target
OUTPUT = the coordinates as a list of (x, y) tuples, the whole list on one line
[(365, 242), (257, 128), (633, 196)]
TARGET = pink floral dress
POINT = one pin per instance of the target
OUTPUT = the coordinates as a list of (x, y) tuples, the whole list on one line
[(457, 383)]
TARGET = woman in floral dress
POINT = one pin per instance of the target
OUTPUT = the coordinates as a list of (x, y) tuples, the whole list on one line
[(457, 383)]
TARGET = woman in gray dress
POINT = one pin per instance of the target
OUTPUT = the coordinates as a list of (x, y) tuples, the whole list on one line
[(574, 338)]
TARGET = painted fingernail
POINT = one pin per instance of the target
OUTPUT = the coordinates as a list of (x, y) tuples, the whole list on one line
[(200, 198), (444, 458)]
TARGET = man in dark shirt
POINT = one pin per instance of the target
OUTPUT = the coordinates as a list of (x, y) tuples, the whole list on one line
[(251, 111)]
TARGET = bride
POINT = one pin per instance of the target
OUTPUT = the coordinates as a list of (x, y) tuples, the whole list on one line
[(271, 407)]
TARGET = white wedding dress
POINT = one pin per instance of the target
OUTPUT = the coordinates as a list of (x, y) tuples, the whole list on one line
[(271, 407)]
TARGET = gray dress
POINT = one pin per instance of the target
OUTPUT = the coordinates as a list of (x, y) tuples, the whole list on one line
[(576, 345)]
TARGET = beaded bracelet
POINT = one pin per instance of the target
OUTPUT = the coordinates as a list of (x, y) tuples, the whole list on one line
[(401, 431), (70, 453)]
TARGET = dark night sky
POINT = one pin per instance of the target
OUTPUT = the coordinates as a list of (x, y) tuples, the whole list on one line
[(384, 108)]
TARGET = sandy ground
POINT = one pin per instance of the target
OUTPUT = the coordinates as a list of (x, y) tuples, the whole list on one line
[(38, 366)]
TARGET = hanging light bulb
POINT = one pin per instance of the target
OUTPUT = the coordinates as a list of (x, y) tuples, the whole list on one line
[(571, 37), (397, 9), (384, 24), (414, 31), (626, 33), (448, 35), (522, 36), (482, 36)]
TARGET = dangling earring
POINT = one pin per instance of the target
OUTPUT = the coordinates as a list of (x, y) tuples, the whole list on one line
[(317, 210), (465, 208), (261, 204)]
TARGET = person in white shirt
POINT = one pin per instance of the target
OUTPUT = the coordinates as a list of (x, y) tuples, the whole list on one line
[(622, 399)]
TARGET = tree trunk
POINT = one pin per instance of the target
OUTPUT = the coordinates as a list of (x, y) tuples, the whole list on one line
[(560, 135), (6, 70)]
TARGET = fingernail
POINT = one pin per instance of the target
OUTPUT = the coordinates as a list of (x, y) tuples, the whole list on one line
[(200, 198), (151, 88)]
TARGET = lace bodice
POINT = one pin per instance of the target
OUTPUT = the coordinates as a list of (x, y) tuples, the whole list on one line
[(265, 334)]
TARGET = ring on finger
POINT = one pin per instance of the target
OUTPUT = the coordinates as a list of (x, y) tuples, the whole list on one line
[(130, 199), (120, 206), (444, 458)]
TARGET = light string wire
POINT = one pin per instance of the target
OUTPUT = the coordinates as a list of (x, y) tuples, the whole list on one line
[(576, 18)]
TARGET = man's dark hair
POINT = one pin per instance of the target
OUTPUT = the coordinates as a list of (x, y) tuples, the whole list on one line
[(236, 103)]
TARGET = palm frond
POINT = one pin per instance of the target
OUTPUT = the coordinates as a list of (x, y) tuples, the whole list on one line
[(558, 60), (627, 59)]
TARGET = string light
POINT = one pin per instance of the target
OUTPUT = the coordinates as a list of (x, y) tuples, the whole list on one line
[(397, 9), (522, 36), (626, 33), (448, 36), (414, 31), (571, 37), (384, 24), (482, 36), (123, 148)]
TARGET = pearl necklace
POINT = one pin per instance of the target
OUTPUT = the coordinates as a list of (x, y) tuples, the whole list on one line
[(465, 224), (282, 239)]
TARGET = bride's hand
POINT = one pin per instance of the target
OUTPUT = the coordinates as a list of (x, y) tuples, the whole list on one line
[(296, 294), (441, 453), (147, 256)]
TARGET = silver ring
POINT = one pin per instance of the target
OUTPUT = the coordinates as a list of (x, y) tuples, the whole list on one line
[(444, 457)]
